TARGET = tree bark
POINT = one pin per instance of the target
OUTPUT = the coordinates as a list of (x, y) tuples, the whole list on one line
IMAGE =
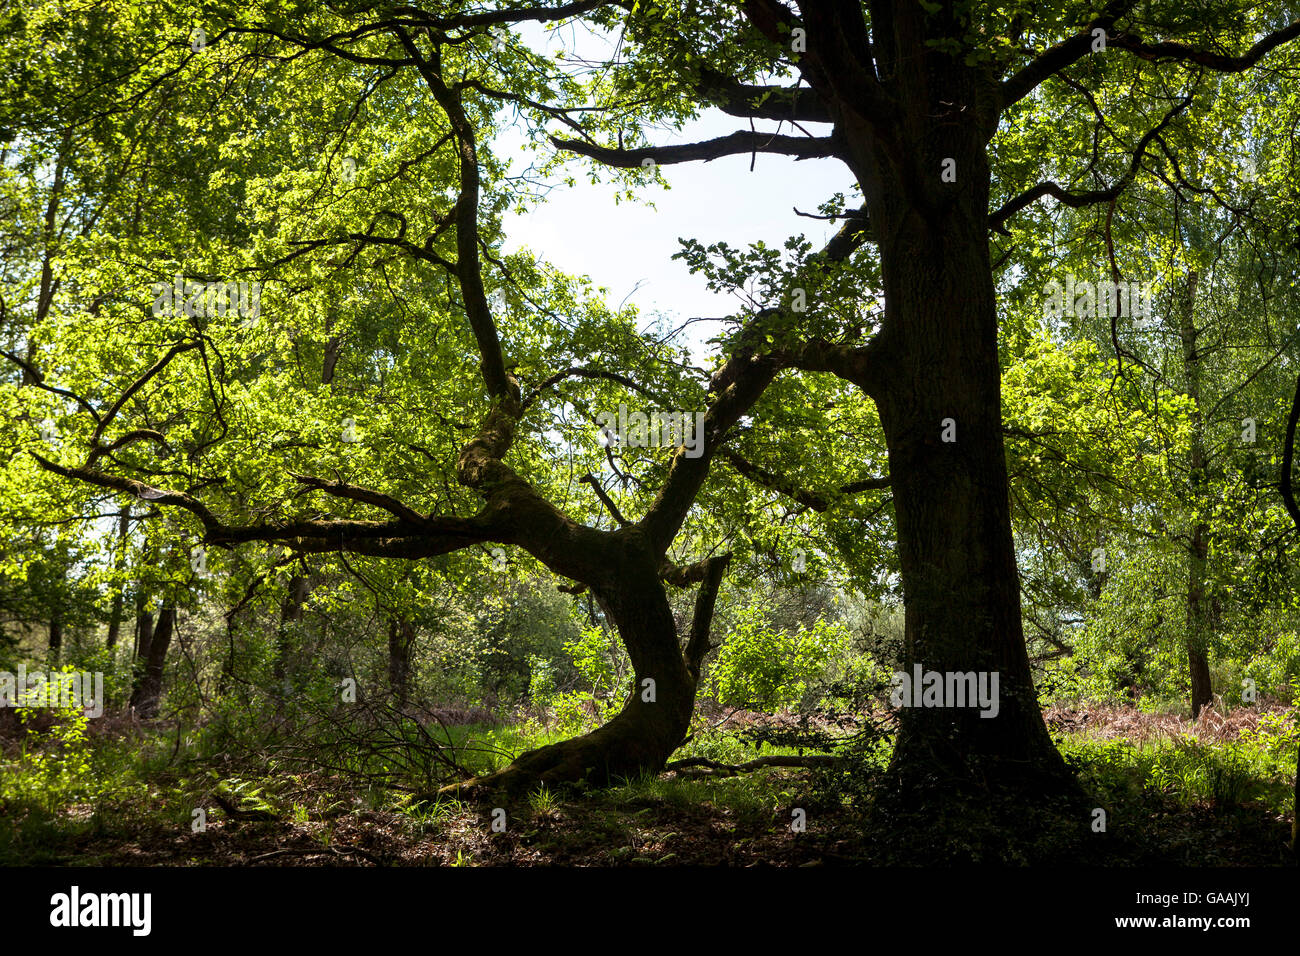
[(143, 629), (960, 581), (401, 637), (333, 348), (941, 379), (291, 612), (114, 621), (1288, 499), (147, 693), (56, 635), (656, 714), (1199, 623), (116, 609)]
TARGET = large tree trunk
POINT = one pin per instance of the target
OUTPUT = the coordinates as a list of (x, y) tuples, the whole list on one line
[(143, 629), (148, 688), (940, 378), (1292, 509), (960, 582)]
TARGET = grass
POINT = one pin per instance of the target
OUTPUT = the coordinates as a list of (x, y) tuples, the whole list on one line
[(1221, 777), (129, 797)]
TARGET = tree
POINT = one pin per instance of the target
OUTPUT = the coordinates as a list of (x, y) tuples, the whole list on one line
[(1288, 497), (1211, 225), (147, 692), (131, 428), (914, 94)]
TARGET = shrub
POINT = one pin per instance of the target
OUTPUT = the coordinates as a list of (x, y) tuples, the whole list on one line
[(762, 668)]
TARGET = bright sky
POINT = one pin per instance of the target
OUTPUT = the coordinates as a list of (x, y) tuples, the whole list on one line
[(582, 231), (628, 247)]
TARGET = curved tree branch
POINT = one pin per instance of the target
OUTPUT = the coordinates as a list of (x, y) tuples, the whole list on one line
[(1170, 50), (698, 646), (1060, 56), (468, 271), (785, 486), (1092, 197), (789, 103), (592, 480), (739, 142)]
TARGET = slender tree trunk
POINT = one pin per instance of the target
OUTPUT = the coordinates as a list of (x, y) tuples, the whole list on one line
[(228, 661), (114, 621), (1288, 499), (56, 635), (119, 563), (1199, 624), (401, 638), (291, 612), (147, 692), (1199, 620), (333, 348)]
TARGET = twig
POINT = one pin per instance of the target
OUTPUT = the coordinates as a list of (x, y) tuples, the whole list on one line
[(320, 851)]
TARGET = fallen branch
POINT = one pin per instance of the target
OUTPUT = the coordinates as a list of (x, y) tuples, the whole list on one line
[(321, 851), (730, 770)]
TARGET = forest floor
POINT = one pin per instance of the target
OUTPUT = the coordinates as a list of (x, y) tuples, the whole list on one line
[(1210, 793)]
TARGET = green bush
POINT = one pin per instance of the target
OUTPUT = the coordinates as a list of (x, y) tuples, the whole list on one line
[(762, 668)]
